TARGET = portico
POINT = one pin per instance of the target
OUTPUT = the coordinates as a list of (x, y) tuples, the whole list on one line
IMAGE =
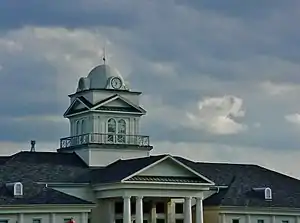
[(148, 194), (138, 217)]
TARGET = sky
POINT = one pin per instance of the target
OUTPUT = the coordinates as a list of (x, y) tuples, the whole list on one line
[(220, 79)]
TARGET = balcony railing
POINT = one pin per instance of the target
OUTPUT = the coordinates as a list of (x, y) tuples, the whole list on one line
[(100, 138)]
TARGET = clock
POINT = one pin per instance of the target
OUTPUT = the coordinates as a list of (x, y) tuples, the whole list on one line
[(116, 82)]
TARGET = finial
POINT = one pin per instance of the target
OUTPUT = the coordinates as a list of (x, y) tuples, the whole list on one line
[(104, 56)]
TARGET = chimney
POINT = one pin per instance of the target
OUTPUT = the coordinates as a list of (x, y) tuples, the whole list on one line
[(32, 146)]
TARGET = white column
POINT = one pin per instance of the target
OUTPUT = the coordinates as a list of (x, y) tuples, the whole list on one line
[(199, 210), (84, 217), (111, 206), (248, 218), (21, 218), (126, 209), (153, 212), (139, 210), (273, 219), (52, 218), (223, 218), (188, 210)]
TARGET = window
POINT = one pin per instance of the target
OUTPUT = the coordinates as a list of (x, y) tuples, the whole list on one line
[(147, 207), (160, 221), (36, 220), (160, 208), (260, 221), (111, 129), (121, 130), (118, 207), (285, 221), (67, 220), (235, 220), (18, 189), (179, 221), (119, 221), (178, 208), (3, 221), (268, 193), (116, 128)]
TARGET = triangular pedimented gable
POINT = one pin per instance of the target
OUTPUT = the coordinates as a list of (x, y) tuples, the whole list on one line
[(80, 104), (168, 170), (117, 103)]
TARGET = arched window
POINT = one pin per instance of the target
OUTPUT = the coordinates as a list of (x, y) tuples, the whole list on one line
[(268, 193), (111, 129), (18, 189), (78, 128), (121, 130)]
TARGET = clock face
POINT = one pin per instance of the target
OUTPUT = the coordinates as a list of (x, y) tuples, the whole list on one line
[(116, 83)]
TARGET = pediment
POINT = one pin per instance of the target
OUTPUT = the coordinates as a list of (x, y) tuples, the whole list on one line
[(168, 170), (80, 104), (118, 103)]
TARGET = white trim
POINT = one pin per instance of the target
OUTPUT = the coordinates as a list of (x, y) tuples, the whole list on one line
[(243, 210), (122, 99), (72, 104), (97, 111), (105, 102), (173, 159), (44, 208), (83, 103), (167, 183), (64, 184)]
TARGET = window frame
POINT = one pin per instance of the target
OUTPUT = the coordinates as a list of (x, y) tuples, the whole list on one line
[(18, 189), (116, 136), (36, 219)]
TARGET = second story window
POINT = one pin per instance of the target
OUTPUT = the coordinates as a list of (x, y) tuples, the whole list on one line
[(111, 129), (116, 130), (121, 130)]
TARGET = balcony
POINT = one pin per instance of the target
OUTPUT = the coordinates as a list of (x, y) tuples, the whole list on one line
[(104, 139)]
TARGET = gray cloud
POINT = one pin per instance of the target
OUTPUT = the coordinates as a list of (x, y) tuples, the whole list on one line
[(177, 54)]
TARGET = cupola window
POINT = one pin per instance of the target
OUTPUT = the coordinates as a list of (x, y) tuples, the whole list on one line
[(116, 130), (121, 130), (111, 129)]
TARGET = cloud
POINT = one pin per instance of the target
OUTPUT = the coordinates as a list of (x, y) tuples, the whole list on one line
[(293, 118), (174, 52), (216, 115)]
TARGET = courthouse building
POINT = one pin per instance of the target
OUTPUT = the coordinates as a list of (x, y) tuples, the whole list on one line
[(104, 172)]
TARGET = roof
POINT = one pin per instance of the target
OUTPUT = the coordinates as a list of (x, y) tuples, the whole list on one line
[(120, 169), (43, 167), (101, 105), (239, 178), (34, 193)]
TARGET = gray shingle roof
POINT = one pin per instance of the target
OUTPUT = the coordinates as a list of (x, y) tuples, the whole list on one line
[(120, 169), (240, 178), (38, 194), (43, 167)]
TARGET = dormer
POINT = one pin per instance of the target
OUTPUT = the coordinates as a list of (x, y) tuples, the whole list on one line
[(265, 191), (16, 188)]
